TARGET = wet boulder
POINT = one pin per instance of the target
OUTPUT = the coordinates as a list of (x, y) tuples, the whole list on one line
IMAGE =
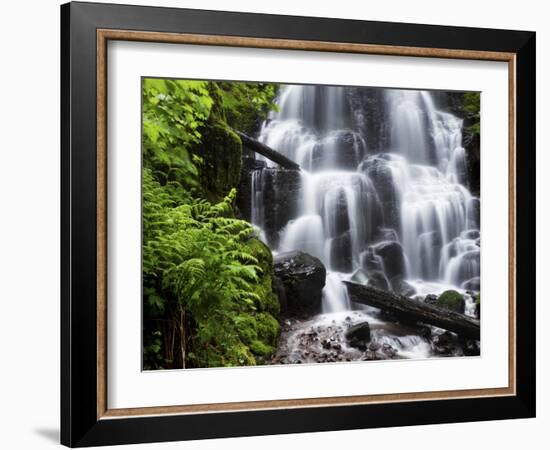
[(472, 284), (342, 150), (470, 234), (303, 277), (378, 280), (360, 276), (340, 253), (378, 169), (392, 256), (470, 347), (402, 287), (430, 299), (340, 215), (386, 234), (372, 278), (447, 344), (370, 261), (279, 192), (358, 335), (468, 266)]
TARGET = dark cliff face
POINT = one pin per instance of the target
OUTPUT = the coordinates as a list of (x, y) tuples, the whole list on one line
[(244, 189), (456, 104), (280, 194), (369, 114)]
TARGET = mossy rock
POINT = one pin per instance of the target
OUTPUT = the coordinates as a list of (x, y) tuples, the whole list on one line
[(261, 350), (221, 153), (241, 105), (267, 328), (242, 355), (262, 253), (217, 112), (451, 300), (263, 338), (264, 288)]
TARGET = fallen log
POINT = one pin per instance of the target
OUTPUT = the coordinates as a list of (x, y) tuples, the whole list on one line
[(410, 309), (268, 152)]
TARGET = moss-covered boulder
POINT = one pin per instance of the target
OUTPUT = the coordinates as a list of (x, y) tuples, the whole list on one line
[(245, 105), (260, 331), (451, 300), (264, 289), (221, 153)]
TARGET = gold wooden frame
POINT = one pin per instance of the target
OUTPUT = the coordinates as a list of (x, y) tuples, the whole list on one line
[(103, 36)]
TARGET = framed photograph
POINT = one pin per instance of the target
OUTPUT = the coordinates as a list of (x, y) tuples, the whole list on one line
[(277, 224)]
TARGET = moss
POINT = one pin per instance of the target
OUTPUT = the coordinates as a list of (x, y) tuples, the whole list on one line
[(264, 323), (244, 119), (472, 110), (217, 112), (451, 300), (246, 327), (242, 355), (245, 105), (221, 154), (267, 328), (268, 300), (260, 349)]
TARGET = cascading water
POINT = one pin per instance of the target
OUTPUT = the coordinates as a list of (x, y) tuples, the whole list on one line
[(401, 214)]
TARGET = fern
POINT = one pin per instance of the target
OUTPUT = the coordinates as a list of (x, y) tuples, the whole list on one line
[(198, 257), (202, 268)]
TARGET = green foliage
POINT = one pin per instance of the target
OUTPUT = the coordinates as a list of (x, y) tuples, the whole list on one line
[(472, 110), (239, 106), (246, 104), (262, 253), (221, 156), (152, 347), (207, 296), (173, 113), (451, 300), (197, 255)]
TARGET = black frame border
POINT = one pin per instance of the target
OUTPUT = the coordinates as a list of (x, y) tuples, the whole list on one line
[(79, 423)]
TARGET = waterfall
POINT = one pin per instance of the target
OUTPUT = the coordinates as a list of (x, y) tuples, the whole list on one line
[(403, 213)]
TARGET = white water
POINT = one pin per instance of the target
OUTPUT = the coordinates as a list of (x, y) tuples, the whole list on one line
[(354, 201)]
